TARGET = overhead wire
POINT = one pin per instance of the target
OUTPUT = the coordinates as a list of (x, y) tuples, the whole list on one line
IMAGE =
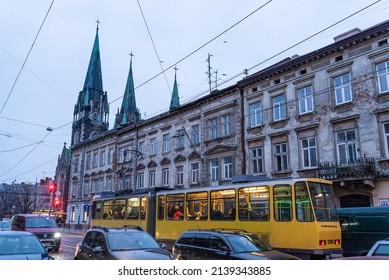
[(25, 60)]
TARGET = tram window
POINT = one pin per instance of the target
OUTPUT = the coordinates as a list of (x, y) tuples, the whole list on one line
[(132, 208), (107, 209), (282, 203), (197, 206), (303, 204), (161, 207), (254, 204), (223, 205), (119, 209), (175, 204), (97, 207), (143, 208)]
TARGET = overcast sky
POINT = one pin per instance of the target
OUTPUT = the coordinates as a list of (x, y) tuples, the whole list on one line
[(237, 34)]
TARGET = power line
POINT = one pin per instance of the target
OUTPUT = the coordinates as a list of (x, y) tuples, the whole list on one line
[(155, 49), (25, 60), (199, 48)]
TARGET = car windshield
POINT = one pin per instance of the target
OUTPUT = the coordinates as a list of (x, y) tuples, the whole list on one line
[(261, 245), (128, 240), (16, 245), (241, 243), (5, 225), (381, 250), (40, 222)]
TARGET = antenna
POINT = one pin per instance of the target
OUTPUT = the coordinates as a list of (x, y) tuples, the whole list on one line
[(209, 72)]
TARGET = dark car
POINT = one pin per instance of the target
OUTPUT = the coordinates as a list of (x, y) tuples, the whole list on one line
[(224, 245), (43, 226), (125, 243), (21, 245)]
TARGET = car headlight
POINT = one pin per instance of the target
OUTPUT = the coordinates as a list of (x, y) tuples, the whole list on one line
[(57, 235)]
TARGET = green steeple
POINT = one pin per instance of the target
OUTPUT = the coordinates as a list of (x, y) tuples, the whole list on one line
[(175, 101), (128, 112), (93, 79)]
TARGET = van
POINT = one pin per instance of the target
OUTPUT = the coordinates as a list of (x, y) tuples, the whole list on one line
[(43, 226), (362, 227)]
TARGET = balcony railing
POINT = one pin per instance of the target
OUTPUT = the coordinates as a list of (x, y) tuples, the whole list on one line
[(360, 168)]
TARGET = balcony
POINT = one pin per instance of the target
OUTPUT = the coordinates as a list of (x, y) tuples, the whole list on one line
[(361, 168)]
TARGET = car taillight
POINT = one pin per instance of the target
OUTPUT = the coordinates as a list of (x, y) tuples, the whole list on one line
[(322, 242)]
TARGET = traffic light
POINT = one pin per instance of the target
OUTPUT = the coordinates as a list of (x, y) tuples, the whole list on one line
[(56, 202), (52, 187)]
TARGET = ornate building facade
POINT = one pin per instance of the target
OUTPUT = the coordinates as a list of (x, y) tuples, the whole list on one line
[(323, 114)]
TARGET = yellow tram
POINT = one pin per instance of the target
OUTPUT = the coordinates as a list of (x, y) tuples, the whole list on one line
[(297, 216)]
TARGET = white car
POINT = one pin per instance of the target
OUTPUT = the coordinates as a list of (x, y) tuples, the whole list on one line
[(380, 248)]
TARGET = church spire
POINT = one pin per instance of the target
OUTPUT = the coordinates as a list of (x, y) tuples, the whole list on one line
[(93, 79), (129, 113), (91, 112), (175, 101)]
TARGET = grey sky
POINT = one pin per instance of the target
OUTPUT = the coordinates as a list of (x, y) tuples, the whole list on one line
[(47, 88)]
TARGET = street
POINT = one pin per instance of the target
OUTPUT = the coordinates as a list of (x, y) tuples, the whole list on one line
[(68, 246)]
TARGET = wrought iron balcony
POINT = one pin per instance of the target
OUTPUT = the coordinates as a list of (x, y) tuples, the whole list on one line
[(360, 168)]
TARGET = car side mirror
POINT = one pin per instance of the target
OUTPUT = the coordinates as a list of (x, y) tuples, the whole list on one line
[(98, 249), (163, 245)]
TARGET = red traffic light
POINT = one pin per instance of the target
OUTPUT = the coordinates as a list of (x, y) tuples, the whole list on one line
[(52, 187), (56, 202)]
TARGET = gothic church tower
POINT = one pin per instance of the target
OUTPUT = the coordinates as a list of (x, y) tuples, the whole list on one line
[(91, 113)]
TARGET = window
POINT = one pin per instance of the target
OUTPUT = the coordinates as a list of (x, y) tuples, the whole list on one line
[(101, 184), (227, 125), (342, 88), (386, 135), (94, 186), (383, 76), (110, 155), (279, 108), (282, 203), (88, 161), (166, 143), (281, 157), (223, 205), (308, 148), (197, 205), (346, 147), (102, 158), (255, 114), (86, 187), (141, 180), (142, 147), (305, 97), (76, 162), (254, 203), (121, 155), (227, 168), (153, 146), (303, 206), (213, 129), (195, 137), (165, 177), (180, 138), (180, 175), (257, 160), (95, 159), (152, 178), (195, 172), (214, 165), (109, 183)]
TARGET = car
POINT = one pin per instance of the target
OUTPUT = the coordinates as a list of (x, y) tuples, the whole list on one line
[(124, 243), (5, 225), (43, 226), (22, 245), (380, 248), (224, 244)]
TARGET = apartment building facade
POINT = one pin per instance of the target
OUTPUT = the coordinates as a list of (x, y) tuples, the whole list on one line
[(323, 114)]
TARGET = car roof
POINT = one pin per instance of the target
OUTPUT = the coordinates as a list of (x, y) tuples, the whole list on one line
[(118, 229), (35, 215), (14, 233)]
